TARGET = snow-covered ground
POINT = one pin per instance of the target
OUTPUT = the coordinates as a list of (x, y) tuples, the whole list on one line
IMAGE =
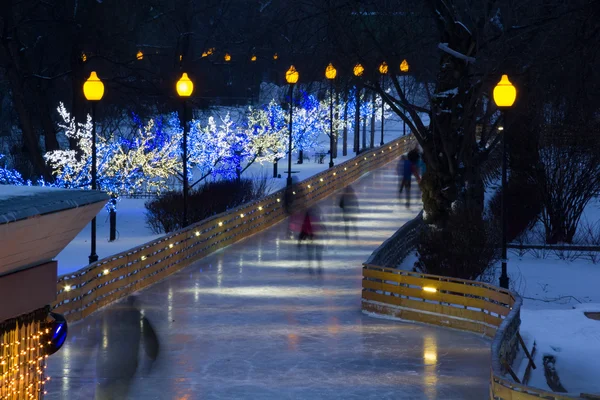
[(132, 230), (557, 290)]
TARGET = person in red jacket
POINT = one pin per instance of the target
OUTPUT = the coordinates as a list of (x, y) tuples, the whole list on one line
[(313, 234)]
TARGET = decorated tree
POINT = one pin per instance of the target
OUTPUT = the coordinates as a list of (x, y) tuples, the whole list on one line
[(308, 121), (270, 133), (123, 166)]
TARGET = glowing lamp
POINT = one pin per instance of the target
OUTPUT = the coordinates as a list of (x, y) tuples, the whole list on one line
[(404, 66), (83, 57), (227, 57), (358, 70), (93, 88), (430, 289), (383, 68), (291, 75), (330, 72), (139, 55), (253, 58), (275, 56), (504, 93), (185, 86)]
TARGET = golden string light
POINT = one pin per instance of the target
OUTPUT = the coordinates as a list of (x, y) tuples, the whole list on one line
[(22, 361)]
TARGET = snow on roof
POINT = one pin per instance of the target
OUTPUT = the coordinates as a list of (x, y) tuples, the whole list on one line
[(21, 202)]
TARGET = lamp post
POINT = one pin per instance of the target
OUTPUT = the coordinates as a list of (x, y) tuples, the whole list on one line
[(185, 87), (358, 71), (504, 97), (93, 90), (330, 74), (291, 76), (404, 69), (383, 70)]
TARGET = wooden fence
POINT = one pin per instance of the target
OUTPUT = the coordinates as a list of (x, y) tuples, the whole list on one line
[(455, 303), (107, 280)]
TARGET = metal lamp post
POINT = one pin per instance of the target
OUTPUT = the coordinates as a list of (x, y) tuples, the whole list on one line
[(93, 89), (383, 70), (358, 71), (330, 74), (404, 69), (185, 87), (291, 76), (504, 97)]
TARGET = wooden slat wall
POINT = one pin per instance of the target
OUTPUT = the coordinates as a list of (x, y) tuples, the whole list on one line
[(81, 293), (454, 300), (456, 303)]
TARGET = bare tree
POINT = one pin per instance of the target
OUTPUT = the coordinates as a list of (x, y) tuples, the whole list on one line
[(568, 178)]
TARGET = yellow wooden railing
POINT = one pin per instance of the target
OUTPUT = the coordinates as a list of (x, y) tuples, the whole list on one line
[(461, 304), (83, 292), (453, 303)]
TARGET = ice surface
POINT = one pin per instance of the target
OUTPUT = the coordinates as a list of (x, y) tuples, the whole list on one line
[(252, 322)]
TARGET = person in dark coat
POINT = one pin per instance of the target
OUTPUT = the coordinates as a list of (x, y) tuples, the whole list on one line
[(122, 330), (350, 210), (407, 168)]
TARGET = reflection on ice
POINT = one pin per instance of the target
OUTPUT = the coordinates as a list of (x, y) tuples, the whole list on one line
[(250, 322)]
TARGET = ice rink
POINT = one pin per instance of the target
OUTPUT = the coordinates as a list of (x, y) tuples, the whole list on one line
[(252, 322)]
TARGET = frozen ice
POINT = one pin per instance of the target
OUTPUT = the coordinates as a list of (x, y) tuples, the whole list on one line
[(252, 322)]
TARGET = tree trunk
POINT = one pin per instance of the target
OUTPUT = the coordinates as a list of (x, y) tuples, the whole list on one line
[(373, 123), (345, 131), (452, 186), (357, 120)]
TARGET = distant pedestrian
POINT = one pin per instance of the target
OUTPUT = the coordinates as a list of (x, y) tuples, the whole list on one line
[(350, 210), (406, 169)]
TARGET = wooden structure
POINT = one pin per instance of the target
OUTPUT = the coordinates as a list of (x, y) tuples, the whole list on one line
[(85, 291), (454, 303), (36, 223)]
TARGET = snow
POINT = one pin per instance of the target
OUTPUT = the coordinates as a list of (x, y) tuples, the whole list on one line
[(556, 292), (8, 191), (573, 339), (444, 47), (131, 224)]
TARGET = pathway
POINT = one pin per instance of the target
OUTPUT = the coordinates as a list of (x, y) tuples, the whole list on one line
[(251, 322)]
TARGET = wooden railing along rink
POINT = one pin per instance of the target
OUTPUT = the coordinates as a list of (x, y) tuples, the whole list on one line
[(105, 281), (460, 304), (453, 303)]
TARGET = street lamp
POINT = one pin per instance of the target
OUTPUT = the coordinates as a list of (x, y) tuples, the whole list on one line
[(504, 97), (330, 73), (404, 69), (185, 87), (93, 90), (291, 76), (358, 71), (383, 70)]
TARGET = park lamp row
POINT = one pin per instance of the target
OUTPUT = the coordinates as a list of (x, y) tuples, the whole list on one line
[(93, 88)]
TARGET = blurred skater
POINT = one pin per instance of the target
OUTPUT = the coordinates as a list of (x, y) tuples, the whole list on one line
[(122, 330), (313, 234), (290, 205), (407, 167), (350, 210)]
